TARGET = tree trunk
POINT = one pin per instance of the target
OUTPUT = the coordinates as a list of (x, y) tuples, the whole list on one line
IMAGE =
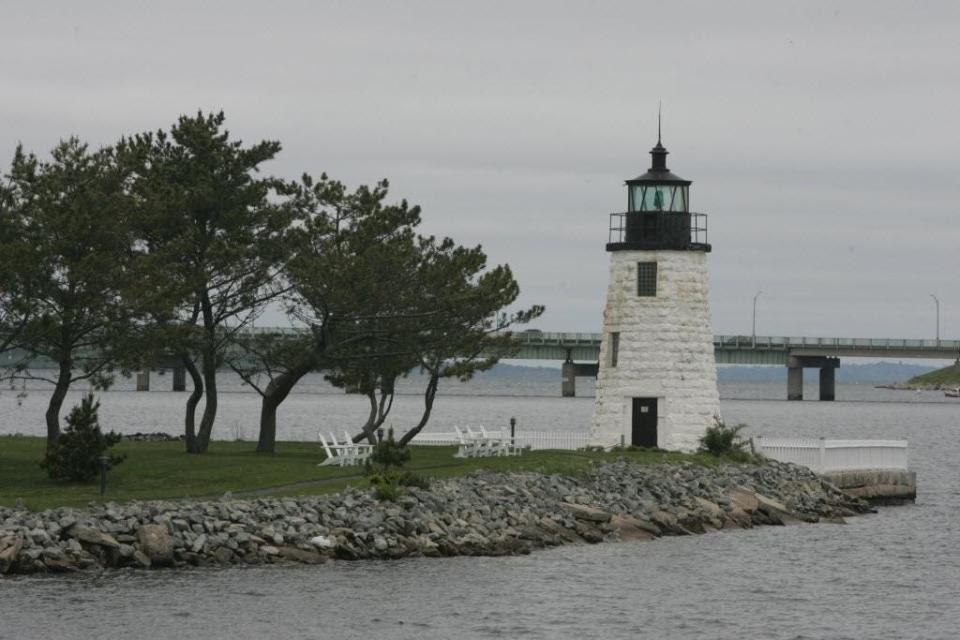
[(428, 397), (190, 432), (386, 403), (369, 430), (267, 442), (387, 391), (209, 368), (275, 393), (210, 407), (379, 410), (56, 402)]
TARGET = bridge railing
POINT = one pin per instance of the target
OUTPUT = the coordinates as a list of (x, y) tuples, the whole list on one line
[(532, 336), (825, 456), (535, 337), (786, 342)]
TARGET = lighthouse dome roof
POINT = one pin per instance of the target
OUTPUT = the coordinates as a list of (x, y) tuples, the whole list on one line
[(664, 176)]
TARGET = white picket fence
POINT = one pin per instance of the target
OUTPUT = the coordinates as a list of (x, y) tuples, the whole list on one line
[(825, 456), (820, 455), (532, 439)]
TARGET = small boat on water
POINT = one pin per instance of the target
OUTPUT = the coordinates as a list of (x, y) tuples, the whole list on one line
[(952, 393)]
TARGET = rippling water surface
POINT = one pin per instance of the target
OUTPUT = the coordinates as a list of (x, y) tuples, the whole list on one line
[(895, 574)]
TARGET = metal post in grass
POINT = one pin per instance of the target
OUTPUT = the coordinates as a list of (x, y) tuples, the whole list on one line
[(513, 432), (104, 461)]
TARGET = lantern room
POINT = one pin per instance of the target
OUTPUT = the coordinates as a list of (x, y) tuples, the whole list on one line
[(658, 212), (658, 189)]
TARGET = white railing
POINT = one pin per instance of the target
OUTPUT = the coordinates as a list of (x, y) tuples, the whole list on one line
[(552, 439), (787, 342), (435, 439), (533, 440), (824, 456)]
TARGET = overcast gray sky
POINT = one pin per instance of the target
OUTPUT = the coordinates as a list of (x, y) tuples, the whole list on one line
[(822, 138)]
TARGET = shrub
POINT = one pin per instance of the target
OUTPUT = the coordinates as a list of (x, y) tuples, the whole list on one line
[(388, 491), (388, 454), (721, 440), (76, 455), (384, 470), (411, 479)]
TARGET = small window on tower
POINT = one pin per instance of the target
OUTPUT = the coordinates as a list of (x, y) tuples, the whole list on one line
[(646, 278), (614, 347)]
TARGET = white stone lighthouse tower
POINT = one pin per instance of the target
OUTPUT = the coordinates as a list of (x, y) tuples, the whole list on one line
[(657, 379)]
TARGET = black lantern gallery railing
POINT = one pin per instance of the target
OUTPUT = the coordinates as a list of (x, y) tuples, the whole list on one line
[(647, 230)]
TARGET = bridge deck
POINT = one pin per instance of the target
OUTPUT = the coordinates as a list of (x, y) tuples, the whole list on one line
[(747, 349), (585, 347)]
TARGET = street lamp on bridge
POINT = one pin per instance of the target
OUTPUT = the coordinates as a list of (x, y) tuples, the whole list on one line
[(937, 301), (754, 334)]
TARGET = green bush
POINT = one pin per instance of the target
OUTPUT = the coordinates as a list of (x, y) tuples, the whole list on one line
[(721, 440), (388, 491), (76, 455), (411, 479), (387, 454), (384, 470)]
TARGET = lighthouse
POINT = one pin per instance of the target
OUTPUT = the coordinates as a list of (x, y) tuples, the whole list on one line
[(657, 378)]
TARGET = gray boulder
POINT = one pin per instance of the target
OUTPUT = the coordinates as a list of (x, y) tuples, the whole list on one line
[(9, 550), (584, 512), (90, 535), (156, 543)]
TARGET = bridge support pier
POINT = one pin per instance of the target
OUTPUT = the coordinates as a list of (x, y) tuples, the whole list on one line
[(569, 372), (568, 381), (827, 386), (179, 379), (794, 383), (795, 367), (143, 380)]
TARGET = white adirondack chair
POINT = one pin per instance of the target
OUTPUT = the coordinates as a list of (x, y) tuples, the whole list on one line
[(467, 448), (481, 444), (498, 442), (335, 453), (349, 451), (362, 450)]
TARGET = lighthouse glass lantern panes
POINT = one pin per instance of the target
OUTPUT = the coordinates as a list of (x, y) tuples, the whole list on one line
[(647, 279), (680, 199), (659, 197)]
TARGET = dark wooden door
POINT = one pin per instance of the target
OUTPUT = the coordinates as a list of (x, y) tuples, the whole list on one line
[(644, 422)]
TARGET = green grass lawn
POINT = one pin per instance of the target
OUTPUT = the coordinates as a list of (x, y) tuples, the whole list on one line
[(161, 470)]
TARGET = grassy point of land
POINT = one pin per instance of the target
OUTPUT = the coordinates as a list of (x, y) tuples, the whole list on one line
[(162, 471), (946, 377)]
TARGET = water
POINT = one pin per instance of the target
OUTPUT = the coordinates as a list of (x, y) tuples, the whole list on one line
[(314, 405), (895, 574)]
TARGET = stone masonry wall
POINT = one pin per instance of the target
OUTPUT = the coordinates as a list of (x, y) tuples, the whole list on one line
[(665, 350)]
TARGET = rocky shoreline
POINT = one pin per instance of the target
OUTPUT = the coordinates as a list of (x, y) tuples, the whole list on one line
[(480, 514)]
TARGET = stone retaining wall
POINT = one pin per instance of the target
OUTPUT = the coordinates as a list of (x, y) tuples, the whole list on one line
[(877, 487), (480, 514)]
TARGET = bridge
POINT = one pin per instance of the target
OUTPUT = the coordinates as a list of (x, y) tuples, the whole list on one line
[(581, 351), (541, 345)]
